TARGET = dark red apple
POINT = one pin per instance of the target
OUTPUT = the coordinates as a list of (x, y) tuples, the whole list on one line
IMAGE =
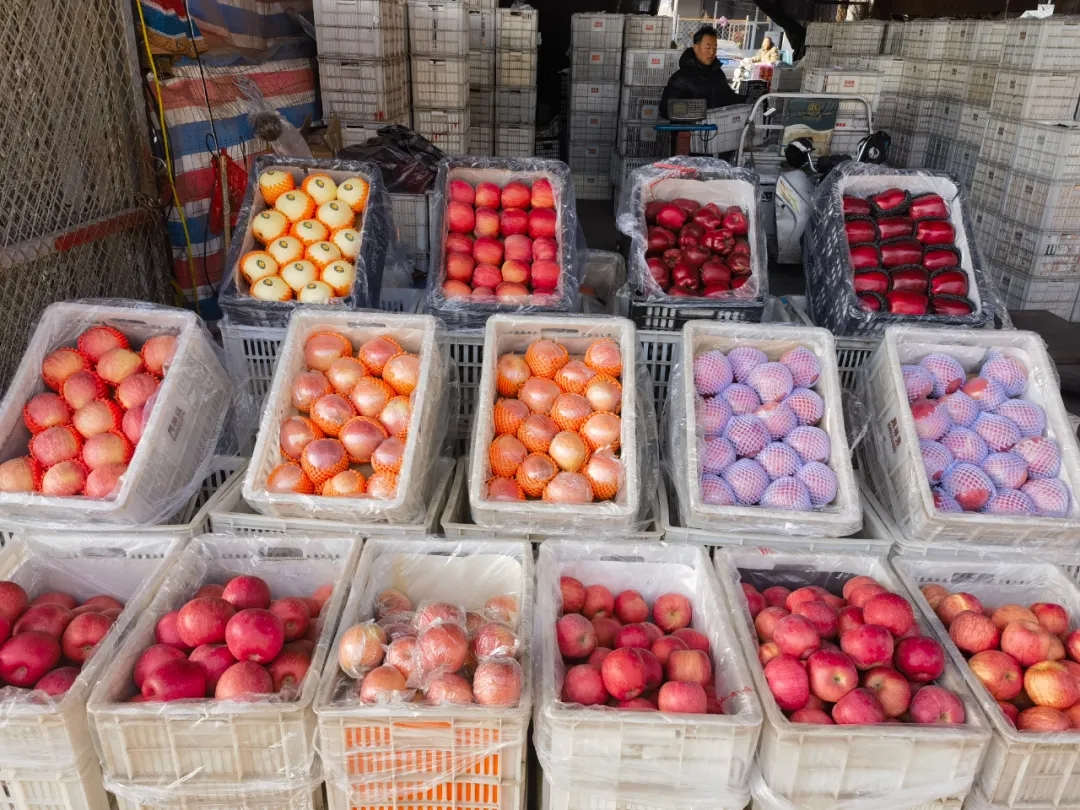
[(25, 658), (294, 614), (82, 635), (255, 635), (175, 680)]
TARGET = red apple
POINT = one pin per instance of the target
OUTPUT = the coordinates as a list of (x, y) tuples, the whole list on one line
[(823, 617), (767, 652), (848, 618), (515, 272), (576, 636), (203, 621), (288, 670), (25, 658), (933, 704), (934, 594), (597, 656), (511, 292), (754, 600), (891, 611), (244, 679), (891, 688), (516, 195), (766, 622), (573, 595), (295, 616), (665, 645), (545, 275), (861, 594), (788, 683), (606, 629), (919, 659), (598, 602), (255, 635), (624, 673), (954, 604), (672, 611), (151, 658), (584, 685), (383, 685), (209, 589), (543, 196), (514, 221), (855, 582), (1012, 613), (1048, 683), (82, 635), (999, 673), (543, 223), (1043, 719), (812, 716), (102, 602), (488, 250), (459, 267), (488, 195), (973, 632), (545, 249), (633, 635), (1072, 645), (1052, 617), (56, 598), (832, 675), (167, 631), (486, 276), (796, 636), (245, 592), (858, 707), (1057, 650), (13, 601), (460, 217), (1025, 641), (487, 223), (58, 681), (694, 639), (682, 698), (177, 679), (459, 243), (810, 593), (5, 630), (654, 670), (517, 247), (1011, 713), (48, 617), (214, 660), (460, 191), (776, 596), (690, 666)]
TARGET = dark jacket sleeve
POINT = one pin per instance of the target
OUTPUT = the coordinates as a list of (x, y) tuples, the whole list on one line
[(678, 86), (722, 95)]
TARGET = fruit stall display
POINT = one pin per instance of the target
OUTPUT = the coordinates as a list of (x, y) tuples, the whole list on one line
[(642, 688), (1011, 627), (225, 598), (62, 615), (432, 653), (354, 419), (698, 241), (969, 440), (505, 239), (934, 750), (757, 432), (310, 233), (558, 436), (112, 415), (887, 246)]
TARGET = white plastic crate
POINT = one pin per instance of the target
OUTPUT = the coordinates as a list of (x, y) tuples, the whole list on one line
[(986, 224), (865, 83), (980, 87), (820, 34), (600, 98), (481, 107), (1043, 204), (891, 69), (589, 158), (945, 119), (364, 89), (45, 747), (514, 140), (988, 187), (1021, 246), (515, 105), (1018, 94), (817, 58), (893, 444), (482, 5), (482, 139), (597, 31), (446, 129), (145, 748), (729, 122), (244, 798), (914, 114), (639, 139), (893, 40), (1020, 290), (592, 186), (621, 168), (1049, 44), (508, 333), (843, 516), (1049, 149), (516, 28), (961, 162), (357, 132), (920, 78), (650, 68), (440, 84), (641, 31), (595, 65), (972, 128), (704, 759), (858, 37), (515, 68), (938, 153), (438, 28), (411, 221), (455, 757), (481, 70), (961, 40), (908, 149), (481, 31), (988, 42), (925, 39), (192, 404), (1022, 769), (349, 28), (953, 80), (900, 765), (597, 128), (640, 103)]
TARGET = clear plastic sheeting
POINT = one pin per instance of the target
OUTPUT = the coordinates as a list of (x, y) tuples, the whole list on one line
[(385, 751), (647, 757), (686, 431), (938, 796), (148, 750), (38, 731), (176, 450), (830, 285), (895, 458), (1022, 768), (701, 180), (376, 234), (629, 509), (471, 313), (430, 401), (894, 766)]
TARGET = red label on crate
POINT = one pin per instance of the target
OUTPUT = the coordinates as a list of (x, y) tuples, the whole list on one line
[(592, 151), (598, 24), (849, 82), (593, 122), (650, 27), (594, 90), (1023, 35), (596, 57), (656, 61)]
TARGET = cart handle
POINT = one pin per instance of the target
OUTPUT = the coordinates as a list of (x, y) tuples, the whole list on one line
[(829, 96), (685, 127)]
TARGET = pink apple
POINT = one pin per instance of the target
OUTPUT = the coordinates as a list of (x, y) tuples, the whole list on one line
[(101, 602), (1052, 617), (573, 595), (631, 608), (672, 611), (973, 632), (652, 631), (177, 679), (497, 640), (514, 222), (288, 670), (460, 218), (919, 659), (545, 275), (245, 592), (13, 601), (1025, 641), (48, 617), (1072, 645), (487, 223), (597, 656), (459, 243), (933, 704), (689, 666), (665, 645), (767, 652), (694, 639), (858, 707), (855, 582), (543, 223), (383, 685), (1012, 713), (796, 636), (954, 604), (810, 593), (832, 675), (545, 250), (576, 636), (56, 598), (488, 250), (58, 681), (460, 191), (584, 685), (167, 631), (598, 602), (203, 620), (788, 682), (443, 648), (1043, 719), (1011, 613), (638, 704), (754, 600), (515, 272), (606, 630), (891, 611), (891, 688), (152, 657), (624, 673), (633, 635), (516, 195), (486, 277), (449, 689), (823, 617), (517, 247), (82, 635), (243, 680), (543, 196), (776, 596), (295, 615), (868, 645), (255, 635), (861, 594), (214, 660), (25, 658), (459, 267), (654, 670), (934, 594), (766, 622), (682, 698), (812, 716), (849, 617), (1049, 683)]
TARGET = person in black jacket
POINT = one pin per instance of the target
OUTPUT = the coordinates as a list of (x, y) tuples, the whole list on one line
[(700, 75)]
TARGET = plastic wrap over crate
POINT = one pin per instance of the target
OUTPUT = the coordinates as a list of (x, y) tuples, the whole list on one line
[(176, 450), (214, 747), (379, 754), (702, 180), (422, 335), (1022, 768), (685, 435), (628, 509), (832, 767), (470, 313), (896, 462), (703, 759), (827, 258), (376, 234)]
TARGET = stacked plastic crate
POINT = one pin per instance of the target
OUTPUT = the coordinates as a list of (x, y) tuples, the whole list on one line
[(363, 73), (639, 104), (439, 36), (819, 42), (1024, 190), (516, 35), (481, 80), (922, 48), (595, 70)]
